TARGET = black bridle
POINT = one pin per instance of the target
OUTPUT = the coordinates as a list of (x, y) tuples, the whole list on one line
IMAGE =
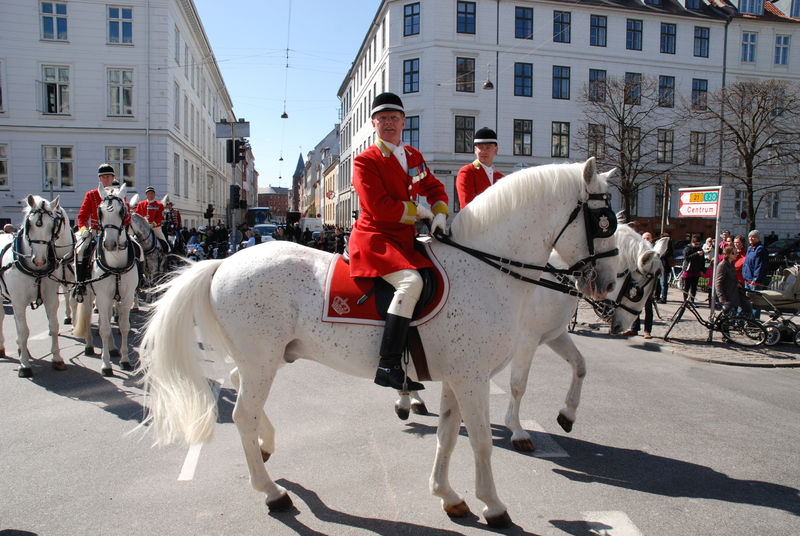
[(123, 211), (600, 223), (630, 290)]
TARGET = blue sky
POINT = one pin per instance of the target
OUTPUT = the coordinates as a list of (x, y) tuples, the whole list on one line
[(250, 39)]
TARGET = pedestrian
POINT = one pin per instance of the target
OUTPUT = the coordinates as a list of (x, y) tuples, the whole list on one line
[(667, 263), (340, 243), (728, 290), (724, 242), (388, 177), (741, 254), (153, 211), (280, 234), (756, 265), (694, 264), (477, 176), (9, 229)]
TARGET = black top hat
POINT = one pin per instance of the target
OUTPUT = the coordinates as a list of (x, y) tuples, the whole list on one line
[(106, 169), (386, 102), (149, 189), (485, 135)]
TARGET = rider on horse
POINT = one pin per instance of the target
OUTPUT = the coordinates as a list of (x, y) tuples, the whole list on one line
[(153, 211), (477, 176), (89, 226), (388, 177)]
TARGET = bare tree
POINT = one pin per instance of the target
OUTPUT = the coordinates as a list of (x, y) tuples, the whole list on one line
[(758, 124), (630, 125)]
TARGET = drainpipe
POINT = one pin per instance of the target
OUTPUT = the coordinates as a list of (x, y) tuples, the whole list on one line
[(724, 78), (147, 119)]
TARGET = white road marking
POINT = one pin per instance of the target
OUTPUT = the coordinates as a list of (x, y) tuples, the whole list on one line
[(495, 389), (610, 524), (190, 462), (546, 446)]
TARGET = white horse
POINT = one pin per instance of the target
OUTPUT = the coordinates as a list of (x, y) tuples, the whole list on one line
[(154, 255), (527, 214), (114, 278), (29, 260)]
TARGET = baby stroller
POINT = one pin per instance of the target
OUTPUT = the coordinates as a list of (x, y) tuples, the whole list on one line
[(782, 304)]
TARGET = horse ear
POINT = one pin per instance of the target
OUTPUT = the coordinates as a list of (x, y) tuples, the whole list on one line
[(54, 203), (134, 200), (609, 174), (31, 201), (123, 190), (101, 190), (647, 259), (621, 216), (661, 244), (589, 170)]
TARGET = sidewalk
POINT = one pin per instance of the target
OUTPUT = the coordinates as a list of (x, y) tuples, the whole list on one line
[(688, 339)]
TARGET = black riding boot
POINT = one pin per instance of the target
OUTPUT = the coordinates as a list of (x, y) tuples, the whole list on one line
[(390, 369), (81, 276)]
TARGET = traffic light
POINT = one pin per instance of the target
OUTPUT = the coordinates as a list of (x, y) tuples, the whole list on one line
[(243, 204), (240, 151), (209, 212), (355, 214), (229, 151), (235, 190)]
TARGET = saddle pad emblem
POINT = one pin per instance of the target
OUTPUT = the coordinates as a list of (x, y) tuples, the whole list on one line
[(340, 305)]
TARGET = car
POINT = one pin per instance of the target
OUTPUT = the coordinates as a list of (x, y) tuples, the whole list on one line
[(265, 229), (783, 247)]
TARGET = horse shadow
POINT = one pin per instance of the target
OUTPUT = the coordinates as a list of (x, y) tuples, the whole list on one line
[(374, 525)]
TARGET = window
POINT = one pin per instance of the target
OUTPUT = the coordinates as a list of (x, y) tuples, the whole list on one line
[(772, 205), (466, 18), (750, 7), (465, 131), (796, 9), (177, 52), (523, 137), (701, 42), (597, 140), (57, 167), (185, 115), (666, 91), (54, 21), (699, 94), (559, 146), (523, 79), (697, 148), (653, 2), (631, 137), (597, 85), (797, 204), (659, 201), (176, 106), (120, 92), (633, 40), (633, 201), (176, 172), (561, 26), (411, 19), (186, 61), (411, 131), (465, 75), (55, 90), (120, 25), (123, 160), (666, 141), (633, 88), (2, 105), (411, 76), (668, 33), (693, 4), (749, 47), (560, 82), (3, 166), (186, 178), (739, 204), (597, 30), (523, 27), (782, 49)]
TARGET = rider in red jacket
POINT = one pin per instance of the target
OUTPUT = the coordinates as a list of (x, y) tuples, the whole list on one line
[(475, 177), (153, 211), (389, 177)]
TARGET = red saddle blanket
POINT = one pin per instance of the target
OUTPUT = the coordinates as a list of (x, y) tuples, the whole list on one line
[(342, 293)]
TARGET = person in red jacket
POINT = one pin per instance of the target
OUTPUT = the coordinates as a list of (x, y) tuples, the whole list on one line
[(388, 178), (89, 226), (477, 176), (153, 211)]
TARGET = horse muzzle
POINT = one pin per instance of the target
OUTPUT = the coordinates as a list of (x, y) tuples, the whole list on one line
[(590, 286)]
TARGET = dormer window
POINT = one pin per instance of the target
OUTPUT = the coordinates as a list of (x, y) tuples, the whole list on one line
[(693, 4), (751, 7)]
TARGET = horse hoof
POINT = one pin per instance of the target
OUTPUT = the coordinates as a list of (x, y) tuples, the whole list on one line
[(25, 372), (3, 353), (88, 351), (283, 504), (107, 372), (523, 445), (401, 412), (419, 408), (458, 510), (265, 455), (126, 366), (503, 521), (59, 366), (565, 423), (67, 321), (114, 353)]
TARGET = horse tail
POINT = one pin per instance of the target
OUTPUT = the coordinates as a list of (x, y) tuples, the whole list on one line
[(180, 401), (80, 329)]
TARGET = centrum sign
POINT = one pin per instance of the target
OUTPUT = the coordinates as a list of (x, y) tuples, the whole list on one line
[(699, 202)]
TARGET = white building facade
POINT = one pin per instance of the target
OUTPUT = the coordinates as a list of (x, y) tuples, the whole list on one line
[(538, 56), (134, 84)]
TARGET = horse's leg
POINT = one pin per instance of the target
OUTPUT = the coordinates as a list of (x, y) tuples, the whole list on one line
[(411, 402), (446, 436), (124, 324), (520, 368), (83, 325), (418, 406), (103, 303), (23, 333), (473, 398), (68, 311), (266, 432), (247, 415), (51, 303), (565, 347)]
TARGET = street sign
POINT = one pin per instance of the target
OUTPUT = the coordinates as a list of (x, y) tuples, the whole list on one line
[(239, 129), (699, 202)]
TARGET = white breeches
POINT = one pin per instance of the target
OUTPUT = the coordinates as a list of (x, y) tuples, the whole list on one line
[(159, 233), (408, 287)]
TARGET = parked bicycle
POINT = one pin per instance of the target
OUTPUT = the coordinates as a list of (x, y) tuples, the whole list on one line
[(736, 329)]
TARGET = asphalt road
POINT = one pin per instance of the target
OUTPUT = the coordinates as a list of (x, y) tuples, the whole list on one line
[(662, 445)]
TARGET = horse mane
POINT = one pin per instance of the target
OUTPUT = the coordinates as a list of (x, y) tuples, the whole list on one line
[(514, 191), (631, 245)]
